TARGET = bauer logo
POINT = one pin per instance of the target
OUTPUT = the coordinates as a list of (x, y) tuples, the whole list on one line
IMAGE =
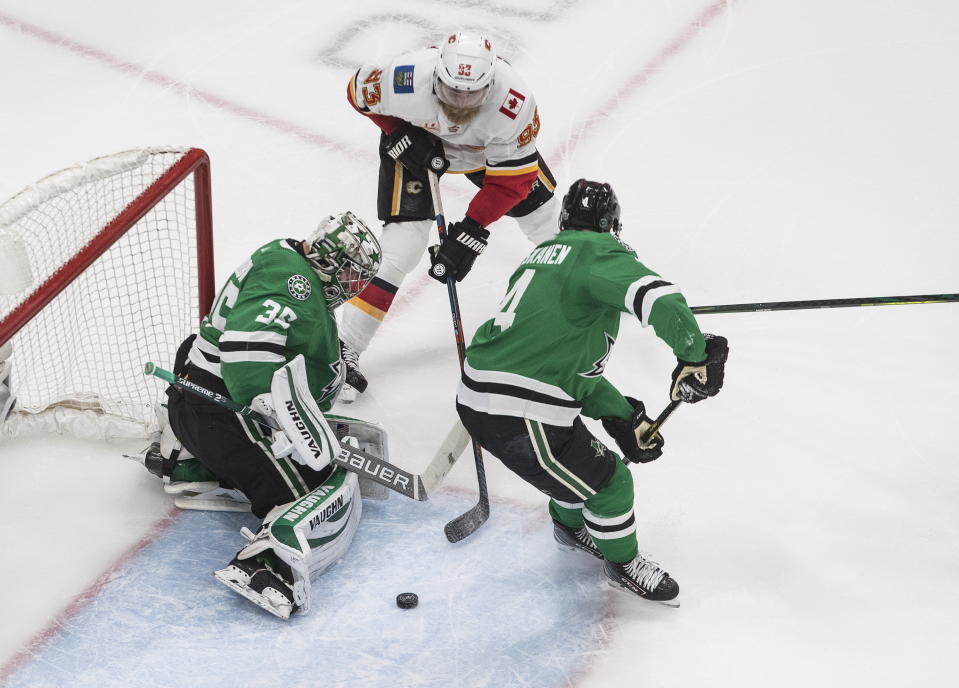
[(299, 287), (403, 79)]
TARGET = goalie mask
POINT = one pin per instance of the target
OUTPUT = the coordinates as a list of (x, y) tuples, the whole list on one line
[(591, 206), (345, 255)]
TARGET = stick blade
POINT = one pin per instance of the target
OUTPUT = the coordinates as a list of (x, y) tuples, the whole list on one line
[(465, 525)]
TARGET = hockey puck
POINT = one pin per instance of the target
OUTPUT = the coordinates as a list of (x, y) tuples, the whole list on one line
[(407, 600)]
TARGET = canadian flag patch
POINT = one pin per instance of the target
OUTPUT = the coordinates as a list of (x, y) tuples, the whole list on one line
[(512, 104)]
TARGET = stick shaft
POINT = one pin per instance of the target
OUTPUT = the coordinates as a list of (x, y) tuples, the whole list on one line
[(660, 419), (465, 524), (825, 303)]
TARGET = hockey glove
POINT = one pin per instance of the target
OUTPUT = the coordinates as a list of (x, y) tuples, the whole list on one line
[(455, 256), (417, 150), (694, 382), (629, 435)]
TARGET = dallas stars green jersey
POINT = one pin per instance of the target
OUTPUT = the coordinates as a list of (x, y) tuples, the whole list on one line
[(271, 310), (543, 354)]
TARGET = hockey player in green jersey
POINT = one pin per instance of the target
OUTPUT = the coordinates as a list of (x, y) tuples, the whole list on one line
[(270, 342), (537, 365)]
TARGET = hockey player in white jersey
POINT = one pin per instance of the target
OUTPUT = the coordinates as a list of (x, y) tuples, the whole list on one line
[(460, 109)]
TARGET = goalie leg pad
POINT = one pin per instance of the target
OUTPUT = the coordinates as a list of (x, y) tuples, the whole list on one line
[(314, 532), (297, 541)]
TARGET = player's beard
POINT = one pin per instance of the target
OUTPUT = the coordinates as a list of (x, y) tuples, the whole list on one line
[(457, 115)]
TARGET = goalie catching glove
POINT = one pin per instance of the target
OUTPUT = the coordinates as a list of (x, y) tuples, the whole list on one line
[(304, 434), (455, 256), (694, 382), (629, 435), (417, 150)]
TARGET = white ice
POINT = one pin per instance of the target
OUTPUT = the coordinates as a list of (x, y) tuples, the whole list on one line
[(763, 151)]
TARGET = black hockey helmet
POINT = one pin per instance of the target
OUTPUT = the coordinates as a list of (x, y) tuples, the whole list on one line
[(590, 205)]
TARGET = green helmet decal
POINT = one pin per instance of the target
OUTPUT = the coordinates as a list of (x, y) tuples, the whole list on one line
[(345, 255)]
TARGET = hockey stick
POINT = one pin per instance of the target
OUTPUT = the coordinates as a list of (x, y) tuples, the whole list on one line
[(653, 429), (449, 451), (465, 524), (352, 459), (826, 303)]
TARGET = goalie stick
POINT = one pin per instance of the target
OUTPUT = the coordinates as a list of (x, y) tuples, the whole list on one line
[(465, 524), (412, 485)]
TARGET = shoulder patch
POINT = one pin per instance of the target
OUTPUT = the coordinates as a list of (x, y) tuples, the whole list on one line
[(300, 288), (512, 104), (403, 79)]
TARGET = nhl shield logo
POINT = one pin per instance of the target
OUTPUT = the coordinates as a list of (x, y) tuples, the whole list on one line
[(299, 287)]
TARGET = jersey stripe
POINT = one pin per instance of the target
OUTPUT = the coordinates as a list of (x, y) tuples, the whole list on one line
[(205, 356), (499, 172), (252, 356), (502, 405), (642, 294), (518, 392), (256, 339), (509, 394), (548, 462), (609, 528), (516, 380), (294, 481)]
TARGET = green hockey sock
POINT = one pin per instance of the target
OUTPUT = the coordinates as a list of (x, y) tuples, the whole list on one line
[(571, 517), (609, 517), (191, 471)]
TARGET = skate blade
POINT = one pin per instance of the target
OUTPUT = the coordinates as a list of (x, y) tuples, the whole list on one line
[(572, 548), (200, 503), (254, 597), (673, 603)]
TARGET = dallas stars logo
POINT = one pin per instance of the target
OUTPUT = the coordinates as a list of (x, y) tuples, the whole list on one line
[(600, 365), (597, 447), (299, 287)]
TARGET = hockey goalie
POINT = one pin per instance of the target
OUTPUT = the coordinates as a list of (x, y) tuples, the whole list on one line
[(271, 342)]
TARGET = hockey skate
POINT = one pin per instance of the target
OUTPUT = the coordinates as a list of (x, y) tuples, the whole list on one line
[(575, 539), (645, 579), (355, 380), (188, 481), (258, 582)]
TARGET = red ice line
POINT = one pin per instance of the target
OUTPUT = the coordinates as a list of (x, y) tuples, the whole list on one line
[(158, 78), (638, 80), (62, 619)]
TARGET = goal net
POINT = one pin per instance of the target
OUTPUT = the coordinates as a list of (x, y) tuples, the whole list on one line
[(103, 266)]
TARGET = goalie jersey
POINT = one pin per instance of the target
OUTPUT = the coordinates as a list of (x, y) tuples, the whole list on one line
[(271, 310), (543, 354)]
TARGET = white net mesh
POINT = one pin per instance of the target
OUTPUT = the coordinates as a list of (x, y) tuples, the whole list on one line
[(136, 302)]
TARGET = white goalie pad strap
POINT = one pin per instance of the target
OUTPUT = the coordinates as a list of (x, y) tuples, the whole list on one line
[(6, 396), (314, 443), (314, 532)]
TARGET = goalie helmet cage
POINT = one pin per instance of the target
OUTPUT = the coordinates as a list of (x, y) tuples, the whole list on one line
[(103, 265)]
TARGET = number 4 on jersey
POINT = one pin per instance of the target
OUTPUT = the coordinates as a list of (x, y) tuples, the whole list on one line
[(507, 307)]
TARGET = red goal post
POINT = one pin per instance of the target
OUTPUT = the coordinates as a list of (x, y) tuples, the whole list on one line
[(103, 265)]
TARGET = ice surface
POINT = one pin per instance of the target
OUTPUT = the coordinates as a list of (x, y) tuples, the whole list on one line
[(788, 149), (508, 608)]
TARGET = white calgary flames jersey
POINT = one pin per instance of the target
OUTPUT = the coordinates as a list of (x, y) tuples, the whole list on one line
[(501, 138)]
